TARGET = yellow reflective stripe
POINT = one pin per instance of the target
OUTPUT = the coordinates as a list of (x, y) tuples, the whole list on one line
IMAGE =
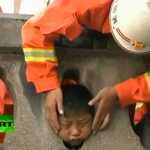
[(40, 59), (147, 77), (138, 105), (38, 49), (39, 54)]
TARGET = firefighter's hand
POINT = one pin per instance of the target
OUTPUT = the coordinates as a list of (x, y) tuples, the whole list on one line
[(54, 103), (106, 99)]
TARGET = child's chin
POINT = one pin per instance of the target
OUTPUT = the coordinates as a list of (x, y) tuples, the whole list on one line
[(76, 144), (71, 145)]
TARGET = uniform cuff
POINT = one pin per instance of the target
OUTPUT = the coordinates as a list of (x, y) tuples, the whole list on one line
[(125, 91), (46, 84)]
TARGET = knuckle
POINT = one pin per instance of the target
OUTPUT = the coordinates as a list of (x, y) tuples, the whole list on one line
[(51, 107), (53, 118)]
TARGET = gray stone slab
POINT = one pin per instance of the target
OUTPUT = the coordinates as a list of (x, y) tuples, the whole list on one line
[(10, 29), (10, 32), (15, 16), (32, 131)]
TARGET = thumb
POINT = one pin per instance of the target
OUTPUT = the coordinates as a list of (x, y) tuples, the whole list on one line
[(95, 100), (60, 106)]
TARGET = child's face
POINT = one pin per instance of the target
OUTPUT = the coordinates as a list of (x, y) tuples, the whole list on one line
[(75, 128)]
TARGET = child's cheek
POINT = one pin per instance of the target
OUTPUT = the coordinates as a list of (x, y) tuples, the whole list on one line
[(87, 131), (63, 134)]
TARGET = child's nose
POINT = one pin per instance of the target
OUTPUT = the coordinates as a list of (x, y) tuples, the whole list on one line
[(75, 132)]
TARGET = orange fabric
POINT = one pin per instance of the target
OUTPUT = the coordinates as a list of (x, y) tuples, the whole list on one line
[(106, 27), (141, 112), (62, 17), (1, 9), (135, 91), (6, 106)]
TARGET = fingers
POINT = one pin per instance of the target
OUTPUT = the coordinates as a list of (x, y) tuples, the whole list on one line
[(101, 119), (98, 114), (60, 106), (97, 119), (102, 122), (54, 102), (105, 123), (95, 99), (52, 117)]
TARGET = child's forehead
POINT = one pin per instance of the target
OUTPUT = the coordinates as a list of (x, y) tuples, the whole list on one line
[(81, 115)]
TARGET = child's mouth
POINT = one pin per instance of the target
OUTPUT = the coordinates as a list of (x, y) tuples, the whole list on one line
[(76, 142)]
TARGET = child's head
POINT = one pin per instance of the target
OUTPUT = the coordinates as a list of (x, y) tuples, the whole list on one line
[(76, 124)]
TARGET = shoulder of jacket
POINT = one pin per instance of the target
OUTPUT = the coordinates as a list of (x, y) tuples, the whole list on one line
[(37, 17)]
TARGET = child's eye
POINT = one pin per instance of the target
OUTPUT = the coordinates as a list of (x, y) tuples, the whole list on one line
[(65, 125), (83, 123)]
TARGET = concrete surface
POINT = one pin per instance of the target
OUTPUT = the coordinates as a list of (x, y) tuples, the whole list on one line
[(97, 71)]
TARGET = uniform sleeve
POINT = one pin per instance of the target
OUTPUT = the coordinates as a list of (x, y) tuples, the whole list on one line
[(134, 90), (38, 36), (40, 58)]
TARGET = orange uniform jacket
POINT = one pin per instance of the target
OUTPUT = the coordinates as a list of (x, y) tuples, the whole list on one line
[(136, 91), (64, 17), (6, 106)]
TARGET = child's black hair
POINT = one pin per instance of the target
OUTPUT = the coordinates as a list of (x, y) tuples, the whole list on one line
[(76, 98)]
